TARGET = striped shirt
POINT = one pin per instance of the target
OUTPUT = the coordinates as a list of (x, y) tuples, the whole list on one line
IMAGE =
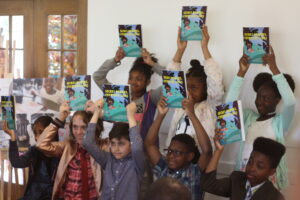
[(72, 188)]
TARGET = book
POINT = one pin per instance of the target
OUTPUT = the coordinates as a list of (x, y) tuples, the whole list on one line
[(174, 87), (256, 43), (130, 37), (78, 91), (116, 98), (230, 121), (8, 111), (192, 20)]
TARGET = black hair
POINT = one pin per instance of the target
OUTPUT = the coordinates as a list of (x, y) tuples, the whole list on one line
[(86, 117), (190, 145), (43, 120), (222, 121), (272, 149), (266, 80), (123, 37), (187, 20), (140, 66), (109, 99), (71, 90), (167, 188), (119, 130), (197, 70), (248, 42)]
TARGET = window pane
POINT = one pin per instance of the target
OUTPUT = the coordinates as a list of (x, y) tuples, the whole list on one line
[(18, 63), (70, 32), (18, 31), (54, 60), (54, 32), (70, 63), (4, 31), (4, 63)]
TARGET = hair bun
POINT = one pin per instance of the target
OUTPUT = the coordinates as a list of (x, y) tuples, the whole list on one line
[(195, 63)]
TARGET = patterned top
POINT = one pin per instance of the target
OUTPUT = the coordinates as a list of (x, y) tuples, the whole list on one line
[(73, 183), (189, 176)]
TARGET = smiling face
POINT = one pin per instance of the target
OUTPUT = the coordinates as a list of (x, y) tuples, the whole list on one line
[(179, 157), (266, 100), (196, 89), (258, 168), (49, 84), (120, 148), (78, 128), (137, 82)]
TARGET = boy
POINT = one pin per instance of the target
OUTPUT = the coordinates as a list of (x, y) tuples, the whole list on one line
[(124, 164), (253, 183)]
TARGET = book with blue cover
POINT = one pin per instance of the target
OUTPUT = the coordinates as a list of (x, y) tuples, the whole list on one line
[(78, 91), (116, 98), (8, 111), (192, 20), (256, 43), (174, 87), (130, 37), (230, 122)]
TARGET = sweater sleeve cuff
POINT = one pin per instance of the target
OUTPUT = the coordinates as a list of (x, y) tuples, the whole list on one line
[(58, 123), (278, 77)]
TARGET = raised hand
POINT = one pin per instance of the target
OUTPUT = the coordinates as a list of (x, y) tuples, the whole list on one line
[(131, 110), (188, 105), (64, 110), (181, 44), (90, 106), (162, 106), (147, 57), (205, 36), (219, 135), (8, 131), (244, 65), (270, 60), (120, 54)]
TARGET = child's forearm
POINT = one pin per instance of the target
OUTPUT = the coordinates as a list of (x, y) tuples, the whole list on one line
[(178, 55), (206, 52), (152, 135), (132, 121), (213, 164)]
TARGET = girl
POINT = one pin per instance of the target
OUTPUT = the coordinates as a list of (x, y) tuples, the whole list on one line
[(182, 156), (204, 84), (139, 79), (267, 123), (41, 168)]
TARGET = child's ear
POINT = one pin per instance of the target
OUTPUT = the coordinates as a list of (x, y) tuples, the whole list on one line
[(272, 171)]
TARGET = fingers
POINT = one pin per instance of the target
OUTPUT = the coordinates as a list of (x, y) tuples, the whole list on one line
[(271, 50), (179, 34)]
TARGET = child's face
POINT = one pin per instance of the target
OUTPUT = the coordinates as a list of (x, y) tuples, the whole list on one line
[(196, 89), (137, 81), (78, 128), (38, 129), (168, 89), (180, 157), (258, 168), (266, 100), (120, 148), (49, 84)]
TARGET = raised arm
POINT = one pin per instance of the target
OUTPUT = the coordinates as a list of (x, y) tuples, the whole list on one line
[(45, 142), (204, 43), (152, 136), (202, 137), (151, 61), (99, 76), (89, 142)]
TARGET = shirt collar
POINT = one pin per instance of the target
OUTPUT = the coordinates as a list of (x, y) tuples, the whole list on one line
[(255, 188)]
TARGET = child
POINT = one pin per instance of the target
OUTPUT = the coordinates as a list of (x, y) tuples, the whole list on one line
[(78, 174), (181, 161), (124, 164), (139, 79), (204, 84), (253, 183), (51, 90), (266, 122), (41, 168)]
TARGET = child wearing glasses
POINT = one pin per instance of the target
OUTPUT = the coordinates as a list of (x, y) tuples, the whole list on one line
[(182, 160)]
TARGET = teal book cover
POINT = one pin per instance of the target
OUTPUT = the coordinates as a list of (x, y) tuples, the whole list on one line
[(116, 98), (230, 122), (174, 87), (77, 91), (256, 43), (130, 37), (8, 111), (192, 19)]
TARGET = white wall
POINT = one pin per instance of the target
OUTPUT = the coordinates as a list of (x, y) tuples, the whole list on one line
[(225, 19)]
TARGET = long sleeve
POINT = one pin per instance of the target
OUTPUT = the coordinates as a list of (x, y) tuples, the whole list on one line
[(90, 145), (157, 68), (99, 76), (15, 159), (215, 88), (137, 150), (46, 144), (289, 101), (209, 183), (234, 89)]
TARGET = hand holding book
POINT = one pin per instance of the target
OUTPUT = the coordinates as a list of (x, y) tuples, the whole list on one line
[(219, 135), (244, 65), (120, 54), (8, 131), (270, 59), (162, 106)]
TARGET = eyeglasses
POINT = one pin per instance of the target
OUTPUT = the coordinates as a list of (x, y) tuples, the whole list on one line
[(174, 152)]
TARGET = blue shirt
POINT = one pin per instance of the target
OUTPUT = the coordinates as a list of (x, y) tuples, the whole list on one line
[(189, 176)]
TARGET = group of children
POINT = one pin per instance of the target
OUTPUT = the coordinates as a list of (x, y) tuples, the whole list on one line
[(85, 166)]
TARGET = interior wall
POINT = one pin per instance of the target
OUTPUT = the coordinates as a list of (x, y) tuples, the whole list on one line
[(225, 19)]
